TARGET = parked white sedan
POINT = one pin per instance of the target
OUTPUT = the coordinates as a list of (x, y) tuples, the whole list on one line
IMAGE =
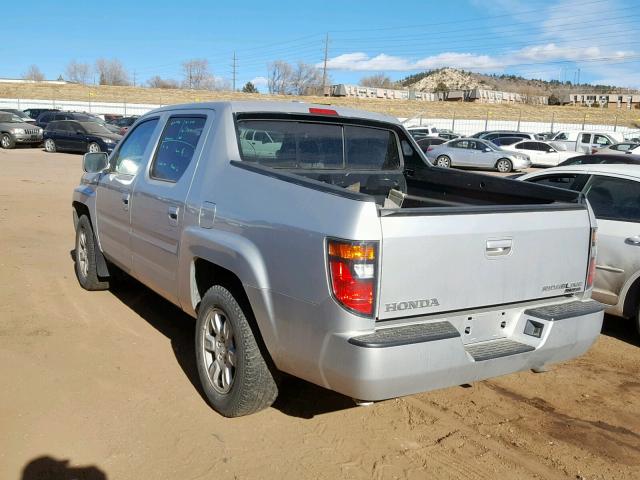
[(614, 194), (541, 153)]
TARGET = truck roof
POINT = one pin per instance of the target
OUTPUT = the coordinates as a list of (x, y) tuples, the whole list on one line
[(279, 106)]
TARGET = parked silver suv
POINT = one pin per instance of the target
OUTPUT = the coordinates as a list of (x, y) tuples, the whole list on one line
[(13, 130)]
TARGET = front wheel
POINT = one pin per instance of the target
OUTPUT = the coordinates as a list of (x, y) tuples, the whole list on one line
[(234, 375), (443, 161), (85, 256), (7, 141), (504, 165), (93, 148), (50, 145)]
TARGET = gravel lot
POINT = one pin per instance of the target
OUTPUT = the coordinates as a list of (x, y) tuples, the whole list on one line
[(107, 382)]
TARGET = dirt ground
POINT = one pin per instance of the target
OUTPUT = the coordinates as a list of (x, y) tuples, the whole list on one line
[(106, 382)]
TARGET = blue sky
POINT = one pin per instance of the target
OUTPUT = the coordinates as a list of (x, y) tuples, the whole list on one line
[(537, 39)]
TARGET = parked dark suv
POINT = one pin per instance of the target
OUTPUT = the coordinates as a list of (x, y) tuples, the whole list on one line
[(79, 136), (36, 112)]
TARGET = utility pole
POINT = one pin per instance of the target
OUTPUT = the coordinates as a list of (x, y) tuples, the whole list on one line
[(578, 76), (234, 70), (324, 69), (134, 78)]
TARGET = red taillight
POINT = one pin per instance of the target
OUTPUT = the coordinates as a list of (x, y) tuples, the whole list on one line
[(352, 271), (322, 111), (592, 272)]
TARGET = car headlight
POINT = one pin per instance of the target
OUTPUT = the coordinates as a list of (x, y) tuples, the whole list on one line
[(18, 130), (108, 140)]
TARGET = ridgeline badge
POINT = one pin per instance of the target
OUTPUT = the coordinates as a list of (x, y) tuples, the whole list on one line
[(411, 304)]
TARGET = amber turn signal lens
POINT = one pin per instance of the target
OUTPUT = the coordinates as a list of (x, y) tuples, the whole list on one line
[(352, 251)]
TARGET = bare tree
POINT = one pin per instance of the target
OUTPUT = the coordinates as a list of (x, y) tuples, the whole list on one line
[(280, 78), (379, 80), (111, 72), (158, 82), (305, 78), (196, 75), (78, 72), (33, 73)]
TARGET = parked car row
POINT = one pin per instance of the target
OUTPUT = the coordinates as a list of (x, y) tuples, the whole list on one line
[(60, 130)]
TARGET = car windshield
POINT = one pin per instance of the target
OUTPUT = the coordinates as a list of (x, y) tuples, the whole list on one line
[(9, 118), (94, 127)]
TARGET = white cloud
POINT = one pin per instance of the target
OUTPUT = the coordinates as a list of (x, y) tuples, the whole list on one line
[(260, 82), (359, 61)]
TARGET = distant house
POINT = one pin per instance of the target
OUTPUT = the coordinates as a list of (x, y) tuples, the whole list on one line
[(474, 95), (602, 100), (60, 81)]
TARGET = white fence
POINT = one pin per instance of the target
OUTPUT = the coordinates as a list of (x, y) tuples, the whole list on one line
[(469, 127), (458, 125), (118, 108)]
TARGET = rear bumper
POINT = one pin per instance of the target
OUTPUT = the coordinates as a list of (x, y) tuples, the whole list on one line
[(402, 360)]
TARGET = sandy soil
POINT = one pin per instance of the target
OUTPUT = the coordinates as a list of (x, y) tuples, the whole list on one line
[(106, 381)]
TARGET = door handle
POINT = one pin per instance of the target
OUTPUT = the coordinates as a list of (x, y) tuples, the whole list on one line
[(172, 212), (633, 241), (125, 200), (410, 172), (495, 248)]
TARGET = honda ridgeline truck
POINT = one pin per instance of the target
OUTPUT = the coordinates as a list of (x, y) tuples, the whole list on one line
[(318, 241)]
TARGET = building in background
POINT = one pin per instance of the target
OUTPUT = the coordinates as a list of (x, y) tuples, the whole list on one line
[(602, 100)]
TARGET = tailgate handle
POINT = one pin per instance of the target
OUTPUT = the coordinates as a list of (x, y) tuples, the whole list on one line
[(496, 248)]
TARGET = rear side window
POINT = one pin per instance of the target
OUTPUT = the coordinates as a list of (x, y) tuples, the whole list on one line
[(614, 198), (571, 181), (178, 143), (307, 145), (585, 138), (129, 156)]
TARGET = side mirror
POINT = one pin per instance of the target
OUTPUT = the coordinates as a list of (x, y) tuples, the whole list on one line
[(95, 162)]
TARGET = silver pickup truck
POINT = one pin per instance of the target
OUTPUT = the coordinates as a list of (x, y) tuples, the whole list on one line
[(326, 247)]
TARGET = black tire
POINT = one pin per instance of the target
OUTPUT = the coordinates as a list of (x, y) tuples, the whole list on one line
[(636, 317), (95, 146), (50, 145), (253, 386), (85, 257), (443, 161), (7, 141), (504, 165)]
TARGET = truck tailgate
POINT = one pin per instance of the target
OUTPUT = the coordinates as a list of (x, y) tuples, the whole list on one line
[(438, 263)]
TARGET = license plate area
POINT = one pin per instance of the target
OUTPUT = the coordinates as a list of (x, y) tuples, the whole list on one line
[(481, 327)]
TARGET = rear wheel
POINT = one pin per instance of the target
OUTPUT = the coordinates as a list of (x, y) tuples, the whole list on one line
[(504, 165), (637, 318), (93, 147), (50, 145), (7, 141), (443, 161), (234, 375)]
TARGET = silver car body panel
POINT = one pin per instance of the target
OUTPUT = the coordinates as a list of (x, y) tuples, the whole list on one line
[(476, 157), (272, 235)]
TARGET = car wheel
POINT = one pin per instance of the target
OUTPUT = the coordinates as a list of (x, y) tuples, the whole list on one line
[(49, 145), (86, 268), (504, 165), (7, 141), (93, 148), (443, 161), (234, 375), (637, 319)]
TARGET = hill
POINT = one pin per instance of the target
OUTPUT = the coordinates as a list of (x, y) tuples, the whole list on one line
[(455, 79)]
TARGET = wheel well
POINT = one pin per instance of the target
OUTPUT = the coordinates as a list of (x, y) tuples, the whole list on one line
[(632, 300), (206, 274), (81, 209)]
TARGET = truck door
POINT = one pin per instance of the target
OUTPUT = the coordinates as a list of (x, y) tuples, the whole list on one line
[(159, 201), (113, 196), (584, 143)]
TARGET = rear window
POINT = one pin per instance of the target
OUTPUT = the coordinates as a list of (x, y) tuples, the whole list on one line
[(307, 145)]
